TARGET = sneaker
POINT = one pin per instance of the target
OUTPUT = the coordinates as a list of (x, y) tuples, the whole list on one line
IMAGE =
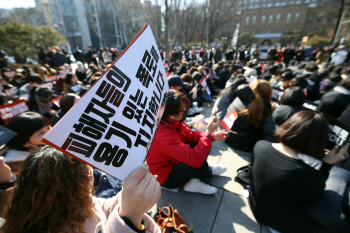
[(197, 186), (218, 169)]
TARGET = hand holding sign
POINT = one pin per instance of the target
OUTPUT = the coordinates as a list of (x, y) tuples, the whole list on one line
[(140, 192), (213, 125), (220, 136), (334, 155)]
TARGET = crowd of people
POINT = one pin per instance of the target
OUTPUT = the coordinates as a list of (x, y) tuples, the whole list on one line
[(42, 189)]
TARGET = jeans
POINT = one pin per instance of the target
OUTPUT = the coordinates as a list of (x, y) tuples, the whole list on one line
[(206, 97), (183, 173)]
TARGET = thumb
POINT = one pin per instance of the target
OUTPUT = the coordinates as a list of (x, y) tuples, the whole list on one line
[(137, 175), (2, 161)]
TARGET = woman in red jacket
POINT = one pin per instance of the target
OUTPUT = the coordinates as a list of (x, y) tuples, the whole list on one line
[(172, 160)]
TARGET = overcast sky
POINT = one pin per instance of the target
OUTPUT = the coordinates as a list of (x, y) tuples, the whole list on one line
[(16, 3)]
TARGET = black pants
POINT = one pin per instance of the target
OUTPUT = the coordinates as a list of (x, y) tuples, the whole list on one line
[(183, 173)]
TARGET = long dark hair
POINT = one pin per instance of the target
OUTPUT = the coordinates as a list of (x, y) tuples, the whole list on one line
[(52, 189)]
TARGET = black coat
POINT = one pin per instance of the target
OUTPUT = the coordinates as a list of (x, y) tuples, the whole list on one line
[(334, 103), (283, 113)]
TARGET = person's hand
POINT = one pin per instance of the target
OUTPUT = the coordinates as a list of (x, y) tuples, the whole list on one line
[(213, 125), (333, 156), (139, 194), (52, 112), (5, 171), (220, 136)]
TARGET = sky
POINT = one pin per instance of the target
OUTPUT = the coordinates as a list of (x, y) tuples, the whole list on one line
[(8, 4)]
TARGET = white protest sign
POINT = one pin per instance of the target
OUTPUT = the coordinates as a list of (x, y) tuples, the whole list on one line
[(113, 124)]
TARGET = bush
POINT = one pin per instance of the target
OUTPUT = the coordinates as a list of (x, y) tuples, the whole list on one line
[(319, 41)]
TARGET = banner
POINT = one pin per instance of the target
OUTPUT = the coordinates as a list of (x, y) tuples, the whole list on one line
[(11, 92), (338, 133), (9, 74), (228, 121), (9, 111), (112, 126)]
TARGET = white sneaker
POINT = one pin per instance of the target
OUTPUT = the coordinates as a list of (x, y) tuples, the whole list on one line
[(197, 186), (218, 169)]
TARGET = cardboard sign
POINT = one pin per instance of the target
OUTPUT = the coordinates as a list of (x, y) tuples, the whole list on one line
[(228, 121), (9, 74), (6, 135), (9, 111), (56, 101), (113, 124), (203, 81), (338, 133), (51, 78), (11, 91)]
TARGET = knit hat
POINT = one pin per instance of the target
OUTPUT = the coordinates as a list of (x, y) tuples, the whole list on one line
[(175, 80)]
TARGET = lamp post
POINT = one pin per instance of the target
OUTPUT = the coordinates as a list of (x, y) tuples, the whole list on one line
[(239, 29)]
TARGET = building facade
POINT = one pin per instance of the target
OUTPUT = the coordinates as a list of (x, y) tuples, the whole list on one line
[(268, 20)]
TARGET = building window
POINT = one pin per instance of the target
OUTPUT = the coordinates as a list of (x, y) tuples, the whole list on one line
[(263, 18), (269, 5), (254, 19), (307, 1), (319, 18), (289, 15), (261, 31), (291, 3), (276, 30), (329, 17), (252, 32), (283, 4), (296, 17), (247, 21), (294, 30), (257, 0), (267, 30), (256, 6), (251, 7), (298, 2), (311, 18), (251, 1), (263, 5), (277, 4), (270, 19), (278, 17), (307, 31), (285, 30)]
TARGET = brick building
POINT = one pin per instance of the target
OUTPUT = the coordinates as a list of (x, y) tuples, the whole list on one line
[(268, 20)]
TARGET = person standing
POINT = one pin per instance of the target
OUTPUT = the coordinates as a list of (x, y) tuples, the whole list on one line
[(187, 55), (229, 54), (58, 58), (218, 54), (256, 53), (78, 55)]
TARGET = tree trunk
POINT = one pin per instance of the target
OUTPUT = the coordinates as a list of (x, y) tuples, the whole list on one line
[(166, 21)]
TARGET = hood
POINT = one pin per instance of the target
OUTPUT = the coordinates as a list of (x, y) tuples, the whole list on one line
[(245, 93)]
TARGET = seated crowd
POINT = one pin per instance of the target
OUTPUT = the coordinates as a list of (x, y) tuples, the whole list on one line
[(44, 190)]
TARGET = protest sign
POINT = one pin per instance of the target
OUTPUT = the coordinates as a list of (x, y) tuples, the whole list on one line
[(228, 121), (8, 111), (276, 94), (9, 74), (6, 135), (112, 126), (56, 101), (11, 91), (51, 78), (338, 133)]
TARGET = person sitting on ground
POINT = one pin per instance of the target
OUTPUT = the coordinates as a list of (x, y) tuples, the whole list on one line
[(226, 97), (32, 80), (66, 103), (291, 101), (334, 102), (176, 163), (280, 181), (53, 193), (30, 128), (70, 81), (252, 106)]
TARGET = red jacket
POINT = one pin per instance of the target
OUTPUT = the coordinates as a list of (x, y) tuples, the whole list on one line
[(169, 148)]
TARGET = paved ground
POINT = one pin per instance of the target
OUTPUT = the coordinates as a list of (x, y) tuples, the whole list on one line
[(227, 211)]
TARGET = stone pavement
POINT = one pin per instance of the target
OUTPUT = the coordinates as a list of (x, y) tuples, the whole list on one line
[(227, 211)]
